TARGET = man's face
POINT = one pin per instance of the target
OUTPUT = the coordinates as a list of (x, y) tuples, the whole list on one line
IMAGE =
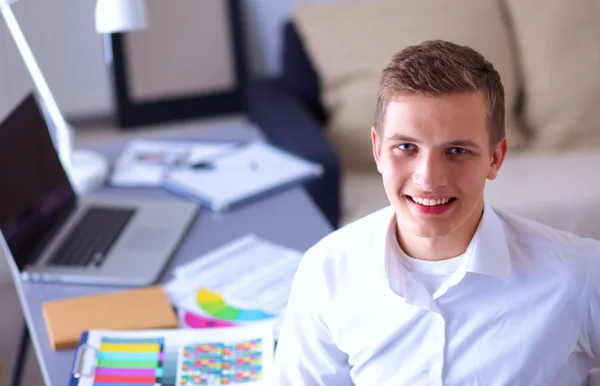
[(434, 157)]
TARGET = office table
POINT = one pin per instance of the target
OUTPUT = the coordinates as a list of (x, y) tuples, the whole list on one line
[(288, 217)]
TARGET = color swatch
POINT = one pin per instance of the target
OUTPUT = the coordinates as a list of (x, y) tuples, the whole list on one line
[(222, 364), (137, 361), (214, 304)]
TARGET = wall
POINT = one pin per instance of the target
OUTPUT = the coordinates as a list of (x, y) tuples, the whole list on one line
[(69, 52), (71, 55)]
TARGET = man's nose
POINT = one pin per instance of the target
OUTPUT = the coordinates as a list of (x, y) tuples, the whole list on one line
[(430, 172)]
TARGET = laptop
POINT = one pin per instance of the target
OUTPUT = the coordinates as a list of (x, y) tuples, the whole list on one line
[(54, 235)]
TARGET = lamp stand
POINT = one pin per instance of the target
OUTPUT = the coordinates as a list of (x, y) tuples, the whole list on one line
[(87, 170)]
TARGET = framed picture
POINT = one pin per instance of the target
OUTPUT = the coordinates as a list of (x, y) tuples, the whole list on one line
[(188, 63)]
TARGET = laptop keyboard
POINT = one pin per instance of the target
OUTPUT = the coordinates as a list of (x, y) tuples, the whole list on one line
[(92, 237)]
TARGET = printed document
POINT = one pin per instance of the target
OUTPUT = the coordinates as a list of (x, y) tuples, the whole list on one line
[(247, 280)]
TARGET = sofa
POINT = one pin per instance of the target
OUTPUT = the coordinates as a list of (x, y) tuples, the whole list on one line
[(322, 105)]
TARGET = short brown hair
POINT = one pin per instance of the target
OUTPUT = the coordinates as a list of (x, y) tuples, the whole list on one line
[(435, 68)]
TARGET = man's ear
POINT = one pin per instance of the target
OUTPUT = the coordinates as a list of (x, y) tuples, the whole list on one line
[(375, 141), (498, 156)]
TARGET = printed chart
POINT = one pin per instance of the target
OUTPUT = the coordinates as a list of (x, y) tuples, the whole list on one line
[(180, 357), (139, 361), (222, 364)]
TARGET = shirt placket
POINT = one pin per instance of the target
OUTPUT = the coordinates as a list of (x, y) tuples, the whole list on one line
[(416, 294)]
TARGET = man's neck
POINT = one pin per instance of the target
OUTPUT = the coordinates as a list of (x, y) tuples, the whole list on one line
[(439, 248)]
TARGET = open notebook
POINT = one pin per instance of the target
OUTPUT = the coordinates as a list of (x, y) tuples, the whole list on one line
[(240, 174), (144, 162)]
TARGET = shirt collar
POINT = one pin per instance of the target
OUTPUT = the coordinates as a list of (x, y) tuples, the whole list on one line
[(486, 254)]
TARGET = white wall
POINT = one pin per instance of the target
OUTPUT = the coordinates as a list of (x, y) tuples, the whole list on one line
[(70, 53)]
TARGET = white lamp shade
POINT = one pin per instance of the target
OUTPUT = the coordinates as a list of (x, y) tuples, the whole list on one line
[(6, 2), (120, 15)]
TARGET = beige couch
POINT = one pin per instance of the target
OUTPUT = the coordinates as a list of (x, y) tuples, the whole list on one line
[(548, 55)]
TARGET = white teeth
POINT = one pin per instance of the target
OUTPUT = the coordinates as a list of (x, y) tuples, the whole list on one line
[(428, 202)]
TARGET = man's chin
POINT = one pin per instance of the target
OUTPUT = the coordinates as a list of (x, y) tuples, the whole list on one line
[(423, 227), (428, 233)]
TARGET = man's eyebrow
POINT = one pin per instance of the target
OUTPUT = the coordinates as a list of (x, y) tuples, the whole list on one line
[(462, 143), (402, 138), (456, 143)]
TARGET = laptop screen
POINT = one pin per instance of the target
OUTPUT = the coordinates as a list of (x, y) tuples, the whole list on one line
[(35, 193)]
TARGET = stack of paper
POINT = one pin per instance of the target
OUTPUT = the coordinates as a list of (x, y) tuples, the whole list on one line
[(247, 281)]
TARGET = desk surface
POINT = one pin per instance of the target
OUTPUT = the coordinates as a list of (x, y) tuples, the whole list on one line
[(289, 218)]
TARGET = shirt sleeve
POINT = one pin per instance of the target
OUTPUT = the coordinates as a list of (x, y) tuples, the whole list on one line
[(306, 354), (591, 324)]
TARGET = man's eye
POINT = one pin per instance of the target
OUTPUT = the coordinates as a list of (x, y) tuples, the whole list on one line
[(457, 150), (406, 146)]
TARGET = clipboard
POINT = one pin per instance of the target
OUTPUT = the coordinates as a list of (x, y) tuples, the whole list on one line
[(239, 175), (233, 355)]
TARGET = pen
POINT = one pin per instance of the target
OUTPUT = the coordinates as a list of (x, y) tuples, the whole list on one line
[(204, 165)]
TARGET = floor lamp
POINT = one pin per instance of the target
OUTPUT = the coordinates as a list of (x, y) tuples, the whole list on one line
[(87, 170)]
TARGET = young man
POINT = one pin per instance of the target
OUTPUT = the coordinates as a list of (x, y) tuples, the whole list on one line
[(440, 288)]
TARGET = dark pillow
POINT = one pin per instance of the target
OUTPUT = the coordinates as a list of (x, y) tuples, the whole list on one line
[(298, 72)]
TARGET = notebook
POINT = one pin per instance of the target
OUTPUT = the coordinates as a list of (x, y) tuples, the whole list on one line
[(219, 356), (134, 309), (239, 175)]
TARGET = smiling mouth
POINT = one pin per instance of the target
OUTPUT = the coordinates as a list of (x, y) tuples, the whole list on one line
[(431, 202)]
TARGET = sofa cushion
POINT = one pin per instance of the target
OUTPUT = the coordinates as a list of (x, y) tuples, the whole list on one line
[(351, 42), (362, 194), (560, 57), (560, 190)]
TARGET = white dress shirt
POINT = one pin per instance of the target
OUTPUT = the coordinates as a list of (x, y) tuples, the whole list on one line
[(522, 308), (431, 274)]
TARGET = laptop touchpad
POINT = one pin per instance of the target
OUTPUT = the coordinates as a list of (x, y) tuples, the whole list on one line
[(146, 238)]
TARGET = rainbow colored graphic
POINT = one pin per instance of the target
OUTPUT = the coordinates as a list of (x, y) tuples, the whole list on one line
[(148, 362), (200, 321), (214, 304), (139, 361)]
